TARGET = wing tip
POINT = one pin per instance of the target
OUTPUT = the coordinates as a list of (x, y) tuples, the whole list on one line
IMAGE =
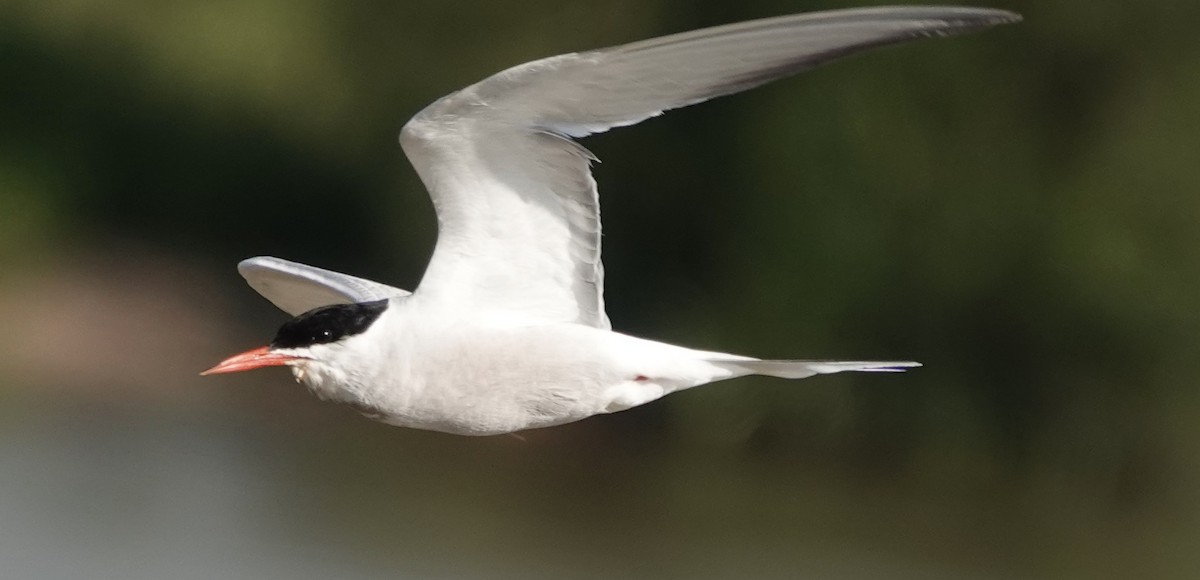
[(872, 366), (257, 262)]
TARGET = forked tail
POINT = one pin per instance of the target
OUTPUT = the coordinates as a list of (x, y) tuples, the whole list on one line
[(799, 369)]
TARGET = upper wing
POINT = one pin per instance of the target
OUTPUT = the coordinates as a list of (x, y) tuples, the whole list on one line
[(297, 288), (518, 216)]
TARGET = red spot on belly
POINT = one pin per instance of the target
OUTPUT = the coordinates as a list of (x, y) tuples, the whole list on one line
[(641, 378)]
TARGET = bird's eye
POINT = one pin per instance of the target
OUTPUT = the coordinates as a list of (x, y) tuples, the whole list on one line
[(328, 324)]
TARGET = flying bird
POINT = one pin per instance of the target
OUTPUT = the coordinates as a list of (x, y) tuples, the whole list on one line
[(507, 330)]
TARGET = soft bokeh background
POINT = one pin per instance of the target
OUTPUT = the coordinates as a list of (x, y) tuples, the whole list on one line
[(1019, 210)]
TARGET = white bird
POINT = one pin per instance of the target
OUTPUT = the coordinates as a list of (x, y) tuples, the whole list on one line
[(507, 329)]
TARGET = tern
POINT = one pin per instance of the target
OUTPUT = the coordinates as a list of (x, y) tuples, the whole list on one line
[(507, 330)]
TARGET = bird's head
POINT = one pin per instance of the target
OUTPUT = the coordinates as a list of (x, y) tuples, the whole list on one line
[(323, 346)]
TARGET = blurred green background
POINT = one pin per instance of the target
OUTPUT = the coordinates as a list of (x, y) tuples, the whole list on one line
[(1017, 209)]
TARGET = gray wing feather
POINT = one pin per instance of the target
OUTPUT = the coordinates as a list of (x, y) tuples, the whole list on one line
[(590, 92), (297, 288), (518, 212)]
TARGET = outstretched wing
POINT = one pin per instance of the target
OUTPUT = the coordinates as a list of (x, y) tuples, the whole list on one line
[(296, 288), (518, 214)]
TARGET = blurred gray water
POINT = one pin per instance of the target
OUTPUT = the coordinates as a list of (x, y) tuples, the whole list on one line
[(113, 492), (82, 496)]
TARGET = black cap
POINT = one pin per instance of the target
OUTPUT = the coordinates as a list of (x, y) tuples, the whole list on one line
[(328, 324)]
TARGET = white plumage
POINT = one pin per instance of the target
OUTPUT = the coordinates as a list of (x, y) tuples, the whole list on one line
[(507, 330)]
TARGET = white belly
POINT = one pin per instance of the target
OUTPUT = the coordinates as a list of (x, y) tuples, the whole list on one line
[(498, 380)]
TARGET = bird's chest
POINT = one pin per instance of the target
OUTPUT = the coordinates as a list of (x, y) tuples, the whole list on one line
[(495, 382)]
